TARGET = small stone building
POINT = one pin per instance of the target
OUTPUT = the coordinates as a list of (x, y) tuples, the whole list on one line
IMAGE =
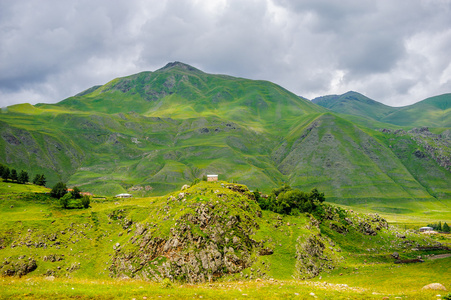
[(426, 229), (212, 177), (124, 196)]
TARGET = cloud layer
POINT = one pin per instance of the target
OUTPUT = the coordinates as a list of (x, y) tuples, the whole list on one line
[(396, 52)]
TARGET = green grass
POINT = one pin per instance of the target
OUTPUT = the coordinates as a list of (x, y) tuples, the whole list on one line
[(90, 234), (8, 187)]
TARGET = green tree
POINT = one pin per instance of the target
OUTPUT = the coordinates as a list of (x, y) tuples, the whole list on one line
[(6, 174), (285, 200), (76, 193), (14, 175), (23, 177), (2, 168), (315, 195), (39, 180), (59, 190), (439, 227), (446, 228), (85, 201), (283, 188), (64, 200)]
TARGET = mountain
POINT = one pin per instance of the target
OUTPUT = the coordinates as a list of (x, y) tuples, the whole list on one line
[(152, 132), (431, 112), (353, 103)]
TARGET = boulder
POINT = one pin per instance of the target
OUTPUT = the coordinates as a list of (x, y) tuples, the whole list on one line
[(434, 286)]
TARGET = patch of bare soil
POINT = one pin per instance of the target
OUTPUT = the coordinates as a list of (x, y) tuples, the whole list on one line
[(438, 256)]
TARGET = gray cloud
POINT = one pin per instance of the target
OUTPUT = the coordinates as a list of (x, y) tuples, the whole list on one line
[(396, 52)]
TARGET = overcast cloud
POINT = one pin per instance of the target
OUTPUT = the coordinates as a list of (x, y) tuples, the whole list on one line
[(396, 52)]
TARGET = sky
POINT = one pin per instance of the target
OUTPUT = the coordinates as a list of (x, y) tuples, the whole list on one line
[(397, 52)]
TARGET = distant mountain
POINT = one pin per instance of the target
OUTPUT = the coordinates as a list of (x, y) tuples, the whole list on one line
[(353, 103), (152, 132), (432, 112)]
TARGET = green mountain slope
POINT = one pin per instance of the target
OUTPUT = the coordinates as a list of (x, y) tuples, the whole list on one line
[(353, 103), (431, 112), (152, 132)]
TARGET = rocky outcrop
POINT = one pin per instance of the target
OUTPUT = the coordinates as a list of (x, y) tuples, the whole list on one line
[(342, 221), (19, 267), (312, 257), (210, 239)]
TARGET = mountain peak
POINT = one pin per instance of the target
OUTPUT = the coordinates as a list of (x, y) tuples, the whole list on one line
[(179, 65)]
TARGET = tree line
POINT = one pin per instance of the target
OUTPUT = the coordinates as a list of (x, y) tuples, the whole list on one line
[(72, 199), (22, 177), (439, 227)]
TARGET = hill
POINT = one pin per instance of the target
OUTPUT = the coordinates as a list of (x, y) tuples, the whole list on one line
[(152, 132), (353, 103), (211, 231), (431, 112)]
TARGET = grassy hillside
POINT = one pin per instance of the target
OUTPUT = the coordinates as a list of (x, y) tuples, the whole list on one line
[(211, 229), (152, 132), (353, 103), (431, 112)]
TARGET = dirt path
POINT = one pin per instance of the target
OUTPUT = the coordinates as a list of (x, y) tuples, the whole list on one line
[(440, 256)]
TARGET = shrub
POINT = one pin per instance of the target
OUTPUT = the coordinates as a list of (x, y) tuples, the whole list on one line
[(59, 190), (64, 200), (76, 193), (85, 201), (285, 200), (166, 283), (195, 181)]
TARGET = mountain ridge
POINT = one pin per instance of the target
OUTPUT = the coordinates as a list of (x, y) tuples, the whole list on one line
[(425, 111), (151, 132)]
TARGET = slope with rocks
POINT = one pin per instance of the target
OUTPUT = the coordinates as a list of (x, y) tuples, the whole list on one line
[(210, 231)]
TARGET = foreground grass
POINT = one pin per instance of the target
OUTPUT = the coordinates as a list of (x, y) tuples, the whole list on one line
[(39, 287)]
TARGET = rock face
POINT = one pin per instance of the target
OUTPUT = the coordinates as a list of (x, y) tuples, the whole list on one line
[(341, 221), (20, 267), (206, 240), (313, 257)]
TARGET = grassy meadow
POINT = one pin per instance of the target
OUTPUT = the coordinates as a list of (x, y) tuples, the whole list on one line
[(364, 268)]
